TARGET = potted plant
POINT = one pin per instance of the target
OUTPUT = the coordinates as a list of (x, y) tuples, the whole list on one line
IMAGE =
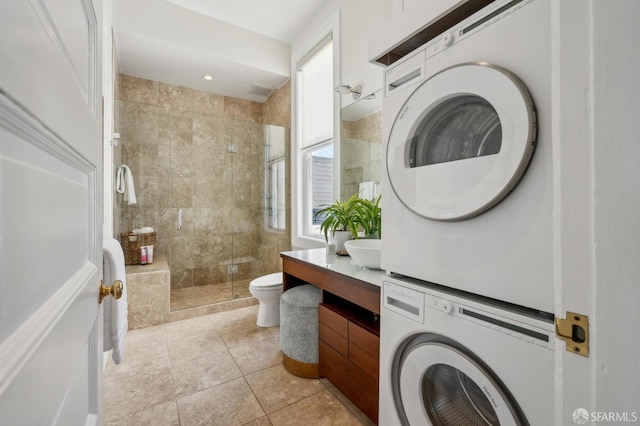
[(344, 219), (369, 217), (340, 221)]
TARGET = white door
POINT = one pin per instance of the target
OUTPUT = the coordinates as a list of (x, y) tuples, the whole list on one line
[(51, 212)]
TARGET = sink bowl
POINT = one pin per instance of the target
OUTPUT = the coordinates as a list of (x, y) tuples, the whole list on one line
[(365, 252)]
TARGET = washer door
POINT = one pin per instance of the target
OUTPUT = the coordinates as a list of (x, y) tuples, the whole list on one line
[(438, 382), (461, 142)]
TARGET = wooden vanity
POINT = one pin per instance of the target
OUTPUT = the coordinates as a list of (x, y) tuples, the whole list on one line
[(349, 324)]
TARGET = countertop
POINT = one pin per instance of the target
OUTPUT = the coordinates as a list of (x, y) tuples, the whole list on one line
[(340, 264)]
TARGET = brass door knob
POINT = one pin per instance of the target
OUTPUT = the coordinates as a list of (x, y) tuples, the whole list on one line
[(114, 290)]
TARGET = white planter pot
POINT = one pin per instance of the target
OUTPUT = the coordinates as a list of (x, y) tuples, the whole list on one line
[(340, 237)]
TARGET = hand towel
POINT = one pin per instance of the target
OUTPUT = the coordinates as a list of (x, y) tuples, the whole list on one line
[(115, 322), (124, 184)]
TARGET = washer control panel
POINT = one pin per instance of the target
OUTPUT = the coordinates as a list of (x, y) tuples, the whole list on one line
[(417, 302), (439, 304), (404, 301)]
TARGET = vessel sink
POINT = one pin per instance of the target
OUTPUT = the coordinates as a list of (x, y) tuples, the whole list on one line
[(365, 252)]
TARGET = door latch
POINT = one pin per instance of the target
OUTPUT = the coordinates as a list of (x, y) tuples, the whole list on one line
[(574, 330)]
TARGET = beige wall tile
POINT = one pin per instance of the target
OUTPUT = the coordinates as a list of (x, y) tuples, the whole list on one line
[(242, 109), (208, 103), (175, 97), (277, 109), (138, 90), (148, 298), (175, 141)]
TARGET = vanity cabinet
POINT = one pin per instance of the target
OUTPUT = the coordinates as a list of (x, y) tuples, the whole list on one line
[(349, 329), (349, 356)]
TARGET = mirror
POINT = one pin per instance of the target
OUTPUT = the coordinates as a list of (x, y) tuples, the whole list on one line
[(276, 143), (362, 146)]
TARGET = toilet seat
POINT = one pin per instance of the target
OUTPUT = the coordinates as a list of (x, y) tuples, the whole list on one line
[(267, 282)]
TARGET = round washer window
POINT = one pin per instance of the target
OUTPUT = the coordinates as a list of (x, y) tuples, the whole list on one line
[(437, 381), (452, 398)]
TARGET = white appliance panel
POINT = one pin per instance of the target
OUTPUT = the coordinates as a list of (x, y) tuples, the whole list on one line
[(508, 352), (506, 253)]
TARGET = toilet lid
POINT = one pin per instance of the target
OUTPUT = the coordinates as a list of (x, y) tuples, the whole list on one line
[(271, 280)]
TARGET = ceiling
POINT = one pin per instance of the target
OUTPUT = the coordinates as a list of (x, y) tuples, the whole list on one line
[(279, 19), (179, 41)]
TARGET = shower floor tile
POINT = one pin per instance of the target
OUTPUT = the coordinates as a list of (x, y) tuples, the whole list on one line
[(216, 369), (191, 297)]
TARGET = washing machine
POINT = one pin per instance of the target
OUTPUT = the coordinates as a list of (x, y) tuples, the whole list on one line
[(447, 358), (467, 194)]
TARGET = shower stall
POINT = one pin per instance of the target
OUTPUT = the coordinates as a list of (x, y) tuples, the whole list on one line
[(198, 161)]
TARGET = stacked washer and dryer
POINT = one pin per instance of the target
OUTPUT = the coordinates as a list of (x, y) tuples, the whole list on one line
[(467, 334)]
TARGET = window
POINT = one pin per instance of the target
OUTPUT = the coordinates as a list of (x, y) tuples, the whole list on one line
[(316, 130), (319, 173), (315, 72)]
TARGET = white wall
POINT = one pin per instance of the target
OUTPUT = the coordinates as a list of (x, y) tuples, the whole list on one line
[(596, 56), (359, 19), (108, 102)]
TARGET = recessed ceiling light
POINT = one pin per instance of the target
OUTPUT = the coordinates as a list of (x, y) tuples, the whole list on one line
[(207, 77)]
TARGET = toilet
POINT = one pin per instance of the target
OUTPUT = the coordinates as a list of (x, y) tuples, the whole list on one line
[(267, 289)]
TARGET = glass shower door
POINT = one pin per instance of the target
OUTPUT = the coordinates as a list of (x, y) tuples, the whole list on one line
[(246, 149)]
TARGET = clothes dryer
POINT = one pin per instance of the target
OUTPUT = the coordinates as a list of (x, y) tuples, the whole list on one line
[(450, 359), (468, 189)]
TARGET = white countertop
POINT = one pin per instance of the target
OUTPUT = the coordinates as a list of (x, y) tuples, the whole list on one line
[(339, 264)]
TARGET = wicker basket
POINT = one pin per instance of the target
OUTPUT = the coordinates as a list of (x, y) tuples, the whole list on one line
[(131, 244)]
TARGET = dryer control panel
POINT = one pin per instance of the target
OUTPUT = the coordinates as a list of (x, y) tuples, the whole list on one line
[(406, 73)]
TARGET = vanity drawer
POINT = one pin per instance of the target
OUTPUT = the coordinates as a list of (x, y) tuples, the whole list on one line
[(365, 339), (364, 349), (333, 320), (334, 367), (334, 339)]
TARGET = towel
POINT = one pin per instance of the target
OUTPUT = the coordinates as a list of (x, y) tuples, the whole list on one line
[(115, 322), (124, 184)]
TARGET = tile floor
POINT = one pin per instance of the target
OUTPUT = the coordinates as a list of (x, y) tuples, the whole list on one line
[(218, 369)]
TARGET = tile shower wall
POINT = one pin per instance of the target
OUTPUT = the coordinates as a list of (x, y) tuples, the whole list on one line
[(175, 140)]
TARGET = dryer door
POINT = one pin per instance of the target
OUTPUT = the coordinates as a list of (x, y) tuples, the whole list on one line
[(436, 382), (461, 142)]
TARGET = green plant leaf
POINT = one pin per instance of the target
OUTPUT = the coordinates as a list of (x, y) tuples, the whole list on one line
[(352, 215)]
